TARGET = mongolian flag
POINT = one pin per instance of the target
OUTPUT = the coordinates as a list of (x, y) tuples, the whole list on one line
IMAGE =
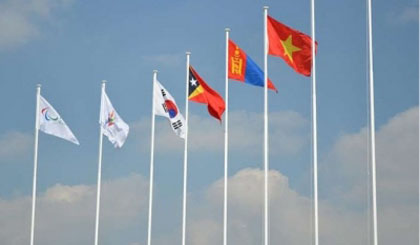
[(200, 92), (242, 68), (292, 45)]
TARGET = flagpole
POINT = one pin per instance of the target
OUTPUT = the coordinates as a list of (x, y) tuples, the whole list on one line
[(38, 93), (227, 30), (314, 125), (152, 154), (98, 192), (265, 128), (184, 199), (372, 126)]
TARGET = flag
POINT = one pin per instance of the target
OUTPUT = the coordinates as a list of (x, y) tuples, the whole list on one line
[(292, 45), (50, 122), (165, 106), (242, 68), (200, 92), (112, 124)]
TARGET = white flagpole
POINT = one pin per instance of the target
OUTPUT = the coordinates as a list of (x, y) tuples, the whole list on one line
[(152, 155), (227, 30), (266, 238), (372, 126), (98, 192), (38, 93), (314, 125), (184, 199)]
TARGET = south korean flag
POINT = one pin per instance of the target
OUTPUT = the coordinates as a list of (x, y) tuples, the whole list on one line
[(165, 106)]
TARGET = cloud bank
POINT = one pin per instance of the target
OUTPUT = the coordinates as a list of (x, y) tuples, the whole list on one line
[(20, 19), (66, 213)]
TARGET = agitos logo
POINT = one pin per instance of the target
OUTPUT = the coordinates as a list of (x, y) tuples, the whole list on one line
[(48, 116)]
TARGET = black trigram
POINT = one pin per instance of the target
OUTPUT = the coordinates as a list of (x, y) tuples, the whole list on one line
[(163, 92), (165, 107), (177, 124)]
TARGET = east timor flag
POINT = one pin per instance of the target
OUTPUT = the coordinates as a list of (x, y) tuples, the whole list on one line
[(200, 92), (292, 45)]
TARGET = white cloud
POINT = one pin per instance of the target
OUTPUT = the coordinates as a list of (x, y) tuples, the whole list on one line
[(66, 213), (290, 214), (20, 19), (342, 208), (410, 14), (288, 133), (397, 148), (14, 144), (405, 15)]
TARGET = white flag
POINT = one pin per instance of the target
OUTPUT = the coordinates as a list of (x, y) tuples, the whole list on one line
[(50, 122), (165, 105), (113, 126)]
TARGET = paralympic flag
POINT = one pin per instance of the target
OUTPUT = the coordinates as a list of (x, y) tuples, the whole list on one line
[(200, 92), (165, 106), (112, 124), (242, 68), (50, 122), (292, 45)]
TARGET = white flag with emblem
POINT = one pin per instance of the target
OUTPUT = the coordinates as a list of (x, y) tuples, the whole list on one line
[(50, 122), (165, 106), (112, 124)]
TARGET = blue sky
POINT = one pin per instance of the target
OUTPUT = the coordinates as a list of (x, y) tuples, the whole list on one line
[(69, 46)]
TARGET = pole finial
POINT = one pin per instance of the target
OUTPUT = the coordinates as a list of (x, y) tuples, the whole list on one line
[(155, 71), (188, 53), (227, 29), (104, 81), (265, 7), (38, 85)]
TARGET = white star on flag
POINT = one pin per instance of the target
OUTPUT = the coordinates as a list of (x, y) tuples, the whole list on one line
[(193, 82)]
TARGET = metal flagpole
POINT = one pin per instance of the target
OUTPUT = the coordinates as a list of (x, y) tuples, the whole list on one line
[(227, 30), (265, 128), (372, 125), (98, 192), (184, 199), (314, 125), (152, 154), (38, 93)]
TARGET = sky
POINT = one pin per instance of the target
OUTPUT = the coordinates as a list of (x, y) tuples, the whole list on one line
[(70, 46)]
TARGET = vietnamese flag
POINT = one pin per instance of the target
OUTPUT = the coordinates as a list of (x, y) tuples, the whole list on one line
[(292, 45), (242, 68), (200, 92)]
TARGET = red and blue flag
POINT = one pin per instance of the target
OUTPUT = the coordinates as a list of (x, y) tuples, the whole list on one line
[(242, 68)]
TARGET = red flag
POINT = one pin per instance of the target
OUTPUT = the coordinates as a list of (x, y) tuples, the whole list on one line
[(292, 45), (200, 92)]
